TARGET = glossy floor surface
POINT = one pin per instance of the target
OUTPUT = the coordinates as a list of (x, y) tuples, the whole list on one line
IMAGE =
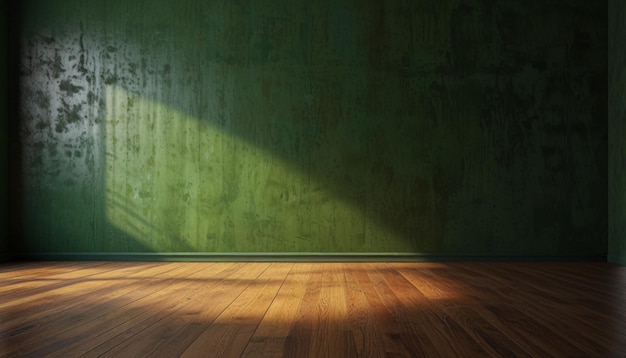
[(126, 309)]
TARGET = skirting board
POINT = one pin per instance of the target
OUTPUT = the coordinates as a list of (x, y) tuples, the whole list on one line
[(297, 257)]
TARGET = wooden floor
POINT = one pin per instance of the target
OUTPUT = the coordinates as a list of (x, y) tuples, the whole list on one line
[(124, 309)]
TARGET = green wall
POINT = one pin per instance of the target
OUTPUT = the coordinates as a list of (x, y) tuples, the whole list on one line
[(441, 127), (4, 146), (617, 132)]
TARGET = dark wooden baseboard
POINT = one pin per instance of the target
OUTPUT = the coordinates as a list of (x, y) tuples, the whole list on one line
[(299, 257)]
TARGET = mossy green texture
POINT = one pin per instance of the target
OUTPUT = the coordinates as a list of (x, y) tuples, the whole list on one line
[(460, 127), (617, 132)]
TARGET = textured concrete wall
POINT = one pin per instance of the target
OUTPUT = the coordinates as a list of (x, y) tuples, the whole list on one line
[(295, 126), (617, 132)]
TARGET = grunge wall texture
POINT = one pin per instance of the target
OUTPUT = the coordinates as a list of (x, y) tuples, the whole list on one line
[(617, 132), (431, 127)]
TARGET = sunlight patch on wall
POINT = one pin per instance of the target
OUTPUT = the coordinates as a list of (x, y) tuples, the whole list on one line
[(178, 184)]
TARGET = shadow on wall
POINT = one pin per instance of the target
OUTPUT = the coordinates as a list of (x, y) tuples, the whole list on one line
[(171, 175), (457, 127)]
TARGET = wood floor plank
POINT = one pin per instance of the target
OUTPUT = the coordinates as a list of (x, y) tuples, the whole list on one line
[(513, 314), (30, 269), (43, 281), (332, 336), (29, 287), (134, 320), (57, 310), (483, 333), (106, 309), (587, 295), (207, 305), (68, 282), (270, 337), (30, 319), (204, 304), (409, 305), (298, 340), (398, 334), (94, 328), (368, 340), (229, 334), (458, 301), (566, 281), (558, 311)]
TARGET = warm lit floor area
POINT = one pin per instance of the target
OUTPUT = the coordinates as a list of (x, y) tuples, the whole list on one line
[(232, 309)]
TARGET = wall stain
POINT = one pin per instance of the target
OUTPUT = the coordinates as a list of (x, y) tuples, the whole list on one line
[(449, 126)]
